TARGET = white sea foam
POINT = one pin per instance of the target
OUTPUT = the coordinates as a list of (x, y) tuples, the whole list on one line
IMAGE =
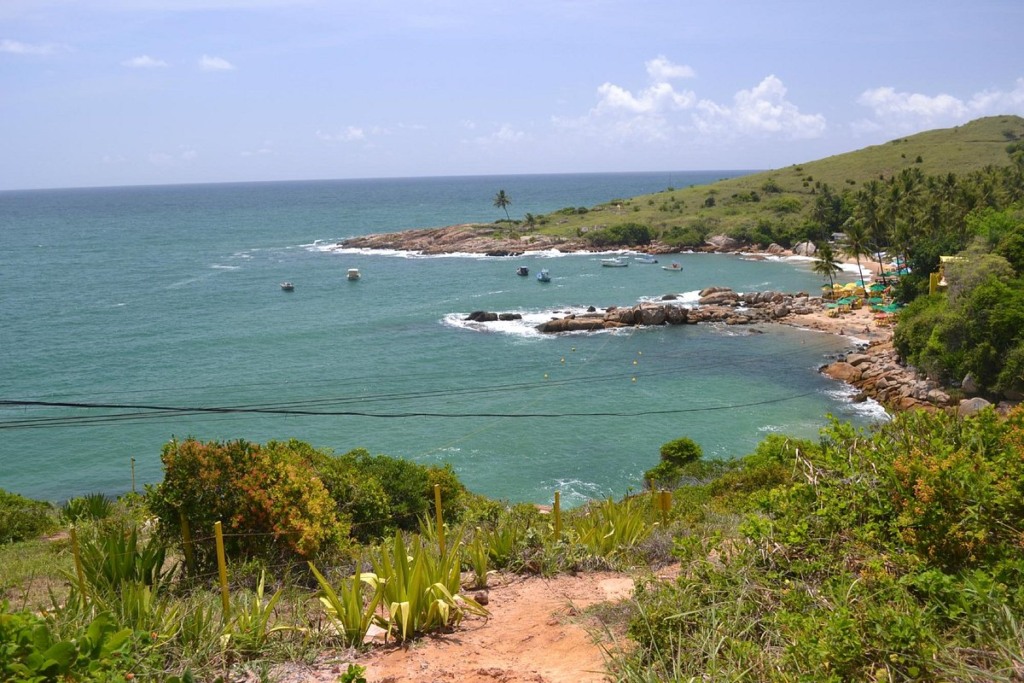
[(526, 326), (870, 408), (576, 492)]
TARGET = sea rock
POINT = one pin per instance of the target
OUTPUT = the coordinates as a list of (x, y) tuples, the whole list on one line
[(652, 315), (625, 316), (775, 249), (723, 242), (676, 315), (805, 249), (510, 316), (857, 359), (719, 298), (970, 406), (482, 316), (842, 371)]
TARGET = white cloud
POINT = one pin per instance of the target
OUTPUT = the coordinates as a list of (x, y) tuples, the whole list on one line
[(350, 134), (15, 47), (760, 110), (653, 100), (208, 63), (144, 62), (265, 150), (661, 69), (904, 111), (184, 156), (505, 134), (660, 113), (886, 103)]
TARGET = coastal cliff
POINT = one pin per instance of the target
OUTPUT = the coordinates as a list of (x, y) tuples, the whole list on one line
[(490, 240)]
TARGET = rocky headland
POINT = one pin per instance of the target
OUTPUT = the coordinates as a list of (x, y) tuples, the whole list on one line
[(872, 366), (489, 240)]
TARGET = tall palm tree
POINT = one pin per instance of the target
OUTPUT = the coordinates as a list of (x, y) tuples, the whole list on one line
[(502, 200), (825, 263), (856, 242)]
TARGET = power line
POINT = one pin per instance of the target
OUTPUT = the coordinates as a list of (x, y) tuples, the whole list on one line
[(354, 413)]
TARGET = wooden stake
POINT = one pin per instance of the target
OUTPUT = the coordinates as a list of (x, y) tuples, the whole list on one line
[(222, 568), (78, 563), (440, 519), (558, 515), (186, 543)]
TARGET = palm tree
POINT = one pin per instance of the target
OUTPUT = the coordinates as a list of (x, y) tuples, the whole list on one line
[(825, 263), (502, 200), (856, 242)]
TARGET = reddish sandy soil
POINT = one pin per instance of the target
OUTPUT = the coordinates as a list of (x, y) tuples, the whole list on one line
[(537, 633)]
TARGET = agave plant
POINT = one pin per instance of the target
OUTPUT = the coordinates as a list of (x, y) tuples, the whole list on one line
[(94, 506), (350, 614), (250, 624), (479, 558), (118, 556), (421, 588), (609, 528)]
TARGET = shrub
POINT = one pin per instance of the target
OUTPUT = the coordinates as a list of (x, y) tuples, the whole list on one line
[(381, 493), (269, 498), (675, 456), (22, 518), (626, 234), (94, 506)]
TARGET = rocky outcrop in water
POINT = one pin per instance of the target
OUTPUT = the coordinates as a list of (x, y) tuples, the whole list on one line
[(716, 305), (878, 374), (469, 238)]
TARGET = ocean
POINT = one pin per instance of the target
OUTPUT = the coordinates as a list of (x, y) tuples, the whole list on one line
[(157, 312)]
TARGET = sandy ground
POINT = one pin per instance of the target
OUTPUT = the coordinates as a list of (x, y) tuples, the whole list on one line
[(538, 632), (859, 325)]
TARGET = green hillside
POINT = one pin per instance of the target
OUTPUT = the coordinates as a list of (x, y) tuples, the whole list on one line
[(784, 196)]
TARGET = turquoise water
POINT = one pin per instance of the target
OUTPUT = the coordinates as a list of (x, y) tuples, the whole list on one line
[(169, 298)]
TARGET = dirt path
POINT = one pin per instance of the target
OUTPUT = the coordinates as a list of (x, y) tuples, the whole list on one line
[(535, 634)]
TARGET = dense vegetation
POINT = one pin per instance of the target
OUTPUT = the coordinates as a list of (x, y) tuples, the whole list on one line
[(894, 554)]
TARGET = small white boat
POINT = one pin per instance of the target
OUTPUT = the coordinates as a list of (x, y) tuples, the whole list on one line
[(646, 258), (523, 271), (614, 263), (674, 267), (544, 276), (353, 274), (287, 286)]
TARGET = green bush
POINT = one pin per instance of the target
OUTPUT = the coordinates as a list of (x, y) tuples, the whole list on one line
[(626, 234), (381, 493), (269, 498), (94, 506), (675, 457), (22, 518)]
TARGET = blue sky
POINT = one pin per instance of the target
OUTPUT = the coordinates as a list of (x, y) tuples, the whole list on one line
[(125, 92)]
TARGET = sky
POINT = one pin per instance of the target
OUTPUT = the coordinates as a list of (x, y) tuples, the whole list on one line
[(151, 92)]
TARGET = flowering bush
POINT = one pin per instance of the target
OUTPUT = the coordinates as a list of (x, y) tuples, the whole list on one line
[(269, 498)]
